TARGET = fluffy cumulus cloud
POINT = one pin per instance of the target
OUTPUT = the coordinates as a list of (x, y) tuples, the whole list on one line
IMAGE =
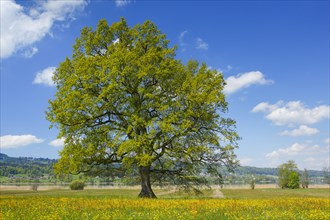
[(15, 141), (291, 113), (235, 83), (22, 27), (298, 149), (200, 44), (289, 151), (57, 142), (45, 77), (302, 130), (122, 3)]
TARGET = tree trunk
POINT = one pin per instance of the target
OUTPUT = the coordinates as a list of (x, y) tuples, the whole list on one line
[(146, 191)]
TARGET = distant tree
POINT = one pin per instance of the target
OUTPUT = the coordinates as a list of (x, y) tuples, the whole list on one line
[(326, 175), (35, 185), (304, 179), (252, 182), (293, 180), (124, 99), (288, 176)]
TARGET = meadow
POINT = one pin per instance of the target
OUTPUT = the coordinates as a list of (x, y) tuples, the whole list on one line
[(124, 204)]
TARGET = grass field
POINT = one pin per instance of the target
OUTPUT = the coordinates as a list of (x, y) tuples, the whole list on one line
[(124, 204)]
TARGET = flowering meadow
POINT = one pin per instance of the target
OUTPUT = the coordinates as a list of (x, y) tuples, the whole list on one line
[(40, 206)]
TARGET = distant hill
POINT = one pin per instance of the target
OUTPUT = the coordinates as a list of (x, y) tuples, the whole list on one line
[(244, 170), (27, 167), (40, 167)]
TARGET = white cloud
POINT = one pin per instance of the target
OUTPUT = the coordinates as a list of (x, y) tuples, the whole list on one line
[(45, 77), (265, 107), (306, 155), (182, 34), (293, 112), (22, 27), (14, 141), (30, 52), (301, 131), (297, 149), (327, 141), (57, 142), (226, 69), (200, 44), (235, 83), (317, 163), (182, 43), (246, 161), (122, 3), (289, 151)]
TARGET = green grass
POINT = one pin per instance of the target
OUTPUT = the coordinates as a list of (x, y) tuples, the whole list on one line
[(124, 204), (275, 193), (91, 193), (133, 193)]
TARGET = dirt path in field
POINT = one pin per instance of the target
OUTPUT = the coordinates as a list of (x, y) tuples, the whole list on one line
[(217, 194)]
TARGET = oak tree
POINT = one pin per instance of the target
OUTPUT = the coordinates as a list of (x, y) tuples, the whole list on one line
[(124, 101)]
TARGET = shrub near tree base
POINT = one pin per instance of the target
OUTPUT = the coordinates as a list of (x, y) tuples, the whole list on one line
[(77, 185)]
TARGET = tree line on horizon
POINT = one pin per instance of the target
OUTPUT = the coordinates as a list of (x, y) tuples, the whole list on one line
[(29, 169)]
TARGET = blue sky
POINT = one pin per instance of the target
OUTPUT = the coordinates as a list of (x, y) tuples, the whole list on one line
[(273, 54)]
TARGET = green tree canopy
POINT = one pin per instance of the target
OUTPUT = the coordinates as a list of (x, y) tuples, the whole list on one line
[(123, 98), (288, 176)]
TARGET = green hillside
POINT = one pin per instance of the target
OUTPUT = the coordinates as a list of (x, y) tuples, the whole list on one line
[(27, 169)]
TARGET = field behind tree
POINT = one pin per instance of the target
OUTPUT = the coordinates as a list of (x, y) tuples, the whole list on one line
[(171, 204)]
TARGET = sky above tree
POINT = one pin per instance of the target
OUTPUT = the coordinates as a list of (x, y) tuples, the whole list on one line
[(274, 56)]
